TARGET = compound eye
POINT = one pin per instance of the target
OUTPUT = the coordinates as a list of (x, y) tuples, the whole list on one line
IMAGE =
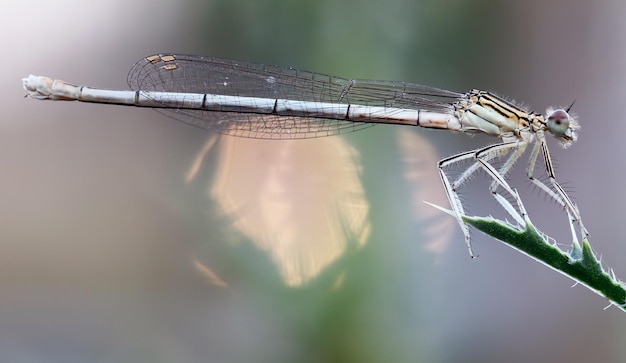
[(558, 124)]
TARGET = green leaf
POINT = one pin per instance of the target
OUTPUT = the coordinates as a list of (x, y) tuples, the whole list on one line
[(580, 264)]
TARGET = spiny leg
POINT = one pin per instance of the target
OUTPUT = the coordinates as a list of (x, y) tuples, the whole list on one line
[(499, 179), (467, 174), (453, 197), (481, 161), (556, 193), (516, 149)]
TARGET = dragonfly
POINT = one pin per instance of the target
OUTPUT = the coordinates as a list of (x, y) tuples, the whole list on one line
[(271, 102)]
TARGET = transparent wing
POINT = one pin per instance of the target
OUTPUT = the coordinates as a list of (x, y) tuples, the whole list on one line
[(197, 74)]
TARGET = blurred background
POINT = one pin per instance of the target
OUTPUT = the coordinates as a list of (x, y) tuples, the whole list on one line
[(127, 236)]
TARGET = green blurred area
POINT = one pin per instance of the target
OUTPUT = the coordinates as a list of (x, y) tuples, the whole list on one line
[(375, 303), (433, 42)]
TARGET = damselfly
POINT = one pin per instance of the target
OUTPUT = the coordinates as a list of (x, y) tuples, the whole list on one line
[(269, 102)]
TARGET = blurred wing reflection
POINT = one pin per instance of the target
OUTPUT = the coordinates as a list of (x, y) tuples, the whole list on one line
[(300, 201), (420, 160)]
